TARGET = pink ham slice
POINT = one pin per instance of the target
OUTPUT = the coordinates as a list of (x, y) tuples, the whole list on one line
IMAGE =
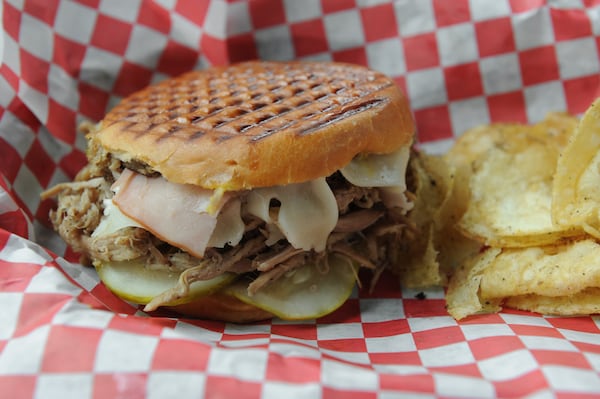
[(180, 214)]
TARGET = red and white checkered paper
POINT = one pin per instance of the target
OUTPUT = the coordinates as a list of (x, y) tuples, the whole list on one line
[(461, 63)]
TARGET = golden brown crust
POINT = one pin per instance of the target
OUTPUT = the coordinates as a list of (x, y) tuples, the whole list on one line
[(222, 307), (259, 124)]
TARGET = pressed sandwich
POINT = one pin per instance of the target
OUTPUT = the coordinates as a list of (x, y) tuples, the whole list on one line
[(244, 192)]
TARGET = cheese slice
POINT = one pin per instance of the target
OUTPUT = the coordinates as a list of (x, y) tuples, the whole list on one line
[(230, 226), (385, 171), (378, 170), (307, 214), (112, 220)]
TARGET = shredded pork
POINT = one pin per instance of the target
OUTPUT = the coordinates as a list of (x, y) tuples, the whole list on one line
[(367, 233)]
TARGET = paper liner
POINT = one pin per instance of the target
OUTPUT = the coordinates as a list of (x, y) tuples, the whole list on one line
[(461, 63)]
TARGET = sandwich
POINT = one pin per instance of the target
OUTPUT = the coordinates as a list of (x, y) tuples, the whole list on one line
[(245, 192)]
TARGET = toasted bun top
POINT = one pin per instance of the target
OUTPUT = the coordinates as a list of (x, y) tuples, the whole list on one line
[(259, 124)]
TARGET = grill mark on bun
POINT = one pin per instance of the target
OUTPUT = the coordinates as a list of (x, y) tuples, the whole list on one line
[(197, 134), (275, 106), (348, 112), (223, 117), (177, 116), (313, 89)]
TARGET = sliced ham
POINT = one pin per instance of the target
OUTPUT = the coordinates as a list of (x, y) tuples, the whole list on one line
[(185, 216)]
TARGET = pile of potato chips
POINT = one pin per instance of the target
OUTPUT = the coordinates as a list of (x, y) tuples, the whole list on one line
[(514, 218)]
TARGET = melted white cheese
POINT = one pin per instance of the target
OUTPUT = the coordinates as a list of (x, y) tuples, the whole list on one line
[(386, 171), (378, 170), (113, 220), (230, 226), (307, 214)]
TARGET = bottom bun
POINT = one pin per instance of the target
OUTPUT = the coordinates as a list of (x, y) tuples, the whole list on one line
[(221, 307)]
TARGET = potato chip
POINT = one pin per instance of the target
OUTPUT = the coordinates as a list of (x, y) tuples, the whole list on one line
[(560, 280), (510, 182), (549, 271), (504, 197), (418, 267), (555, 130), (431, 181), (472, 146), (417, 263), (582, 303), (452, 245), (453, 249), (576, 192), (462, 297)]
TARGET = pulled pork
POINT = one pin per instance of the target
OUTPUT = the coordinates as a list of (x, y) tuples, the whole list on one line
[(367, 232)]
